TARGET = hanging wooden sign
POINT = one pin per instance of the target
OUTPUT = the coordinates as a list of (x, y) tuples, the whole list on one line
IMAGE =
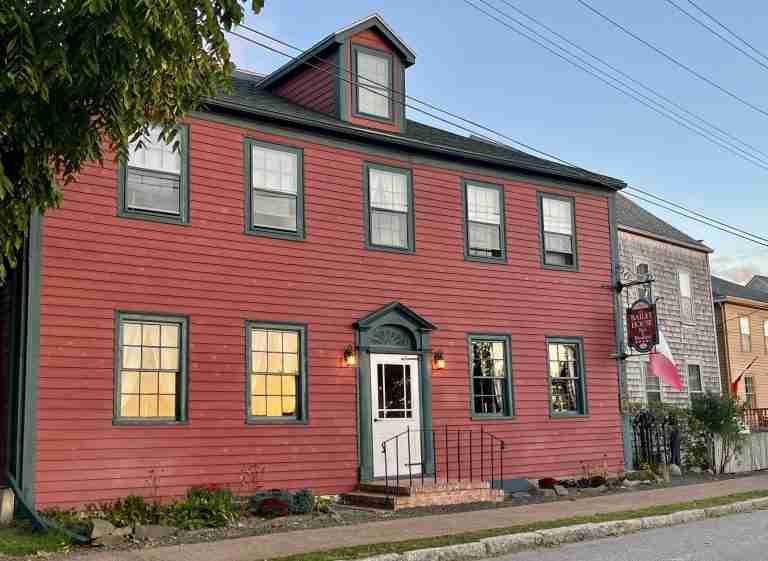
[(642, 326)]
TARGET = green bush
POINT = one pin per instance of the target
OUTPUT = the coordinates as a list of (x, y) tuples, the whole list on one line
[(204, 507), (302, 502), (299, 502), (128, 511), (717, 418)]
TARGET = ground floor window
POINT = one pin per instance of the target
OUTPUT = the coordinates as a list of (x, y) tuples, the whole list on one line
[(150, 368), (652, 385), (276, 357), (491, 375), (566, 376), (695, 386)]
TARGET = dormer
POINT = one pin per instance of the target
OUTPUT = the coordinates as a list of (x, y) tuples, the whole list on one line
[(356, 74)]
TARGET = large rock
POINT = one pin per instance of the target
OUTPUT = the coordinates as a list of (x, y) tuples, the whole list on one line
[(153, 532), (101, 528), (561, 491), (695, 469), (675, 471)]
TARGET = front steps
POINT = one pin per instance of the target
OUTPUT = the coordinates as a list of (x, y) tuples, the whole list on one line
[(403, 494)]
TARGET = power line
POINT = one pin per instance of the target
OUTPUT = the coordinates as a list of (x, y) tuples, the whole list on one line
[(630, 78), (709, 28), (702, 218), (672, 59), (633, 93), (729, 30)]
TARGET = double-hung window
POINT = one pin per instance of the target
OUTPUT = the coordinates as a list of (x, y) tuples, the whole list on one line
[(491, 375), (275, 189), (745, 335), (695, 386), (686, 299), (277, 385), (151, 373), (566, 376), (154, 179), (652, 384), (484, 207), (389, 208), (373, 71), (749, 391), (558, 225), (643, 273)]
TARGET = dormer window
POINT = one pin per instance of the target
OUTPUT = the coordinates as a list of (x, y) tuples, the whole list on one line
[(373, 77)]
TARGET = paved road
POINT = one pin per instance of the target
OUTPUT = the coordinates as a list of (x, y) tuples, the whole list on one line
[(742, 537)]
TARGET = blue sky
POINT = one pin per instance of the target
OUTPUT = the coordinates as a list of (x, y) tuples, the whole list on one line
[(471, 65)]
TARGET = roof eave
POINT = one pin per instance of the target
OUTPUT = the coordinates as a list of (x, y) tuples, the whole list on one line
[(295, 63), (640, 232), (609, 183)]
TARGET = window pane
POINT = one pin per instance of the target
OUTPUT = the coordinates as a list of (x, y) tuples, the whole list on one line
[(694, 378), (389, 229), (150, 335), (483, 204), (259, 362), (152, 191), (564, 395), (744, 325), (154, 154), (388, 190), (129, 406), (170, 359), (258, 340), (130, 382), (150, 358), (558, 243), (557, 217), (274, 211), (290, 342), (167, 383), (148, 406), (373, 73), (170, 336), (149, 382), (132, 357), (484, 240), (259, 385), (132, 334), (166, 406), (685, 283), (274, 170)]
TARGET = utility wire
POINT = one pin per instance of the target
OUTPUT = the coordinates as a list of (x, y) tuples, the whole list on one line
[(623, 87), (630, 78), (672, 59), (715, 32), (702, 218), (729, 30)]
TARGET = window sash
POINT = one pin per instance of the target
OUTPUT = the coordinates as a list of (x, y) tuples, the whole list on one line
[(490, 376), (146, 190), (389, 208), (566, 377), (374, 83), (558, 231), (263, 219), (154, 154)]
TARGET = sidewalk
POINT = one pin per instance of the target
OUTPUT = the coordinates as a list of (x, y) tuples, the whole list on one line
[(302, 541)]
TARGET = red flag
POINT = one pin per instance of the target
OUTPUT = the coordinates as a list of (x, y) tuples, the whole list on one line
[(663, 365)]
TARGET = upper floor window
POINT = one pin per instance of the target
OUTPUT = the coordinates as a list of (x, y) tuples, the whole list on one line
[(749, 391), (652, 385), (389, 208), (276, 372), (558, 225), (154, 179), (745, 335), (686, 298), (373, 71), (491, 375), (695, 386), (151, 368), (484, 207), (566, 376), (275, 189)]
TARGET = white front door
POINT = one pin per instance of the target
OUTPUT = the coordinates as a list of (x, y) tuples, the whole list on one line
[(396, 408)]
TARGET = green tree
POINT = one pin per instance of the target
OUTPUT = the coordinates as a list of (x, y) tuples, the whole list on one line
[(718, 422), (82, 77)]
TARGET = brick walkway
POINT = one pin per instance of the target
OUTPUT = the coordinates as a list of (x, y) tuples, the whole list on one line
[(302, 541)]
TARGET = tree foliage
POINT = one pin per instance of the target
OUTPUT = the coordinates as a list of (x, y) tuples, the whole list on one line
[(80, 77), (719, 422)]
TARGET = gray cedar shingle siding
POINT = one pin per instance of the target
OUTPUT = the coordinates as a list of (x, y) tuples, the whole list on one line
[(758, 282)]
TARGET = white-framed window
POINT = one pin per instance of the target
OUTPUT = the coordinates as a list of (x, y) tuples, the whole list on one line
[(485, 221), (749, 392), (558, 231), (686, 296), (695, 385), (745, 334), (154, 177), (390, 213), (652, 384), (374, 82)]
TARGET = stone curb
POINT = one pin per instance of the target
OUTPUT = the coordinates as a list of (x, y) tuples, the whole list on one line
[(502, 545)]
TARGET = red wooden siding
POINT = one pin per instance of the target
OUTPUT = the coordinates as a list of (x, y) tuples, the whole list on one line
[(96, 263), (314, 86), (372, 39)]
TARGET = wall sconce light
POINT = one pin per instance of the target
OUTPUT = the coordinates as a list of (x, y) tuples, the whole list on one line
[(350, 358), (439, 360)]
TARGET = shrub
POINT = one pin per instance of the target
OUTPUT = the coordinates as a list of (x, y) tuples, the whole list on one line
[(204, 507), (323, 504), (272, 507), (128, 511), (302, 502), (717, 420)]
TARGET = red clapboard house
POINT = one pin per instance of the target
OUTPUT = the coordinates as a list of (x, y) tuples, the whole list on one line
[(309, 284)]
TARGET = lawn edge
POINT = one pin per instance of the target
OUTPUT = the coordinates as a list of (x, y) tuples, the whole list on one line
[(501, 541)]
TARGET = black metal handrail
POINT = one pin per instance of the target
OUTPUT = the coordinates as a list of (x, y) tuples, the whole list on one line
[(454, 452), (756, 419)]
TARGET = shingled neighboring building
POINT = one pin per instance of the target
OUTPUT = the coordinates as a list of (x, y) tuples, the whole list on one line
[(680, 266)]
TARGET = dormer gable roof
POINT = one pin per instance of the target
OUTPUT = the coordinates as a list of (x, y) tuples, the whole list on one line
[(374, 22)]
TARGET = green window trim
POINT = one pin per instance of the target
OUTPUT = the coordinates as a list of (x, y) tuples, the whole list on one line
[(250, 228), (356, 48), (410, 220), (465, 183), (583, 409), (509, 402), (183, 217), (182, 381), (302, 396), (572, 200)]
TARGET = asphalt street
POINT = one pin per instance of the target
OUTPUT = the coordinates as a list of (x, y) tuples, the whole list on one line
[(742, 537)]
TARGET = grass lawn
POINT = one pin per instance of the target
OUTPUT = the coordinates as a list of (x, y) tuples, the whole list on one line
[(357, 552), (21, 539)]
